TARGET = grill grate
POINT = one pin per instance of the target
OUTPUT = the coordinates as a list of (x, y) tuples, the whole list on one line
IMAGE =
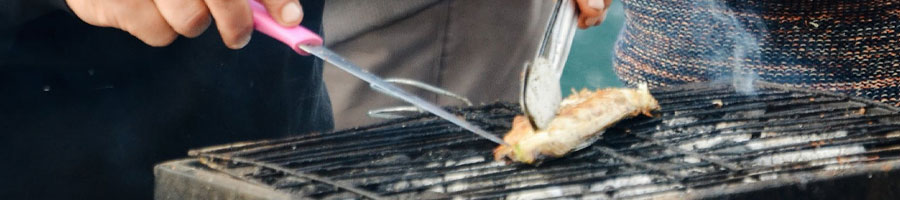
[(705, 135)]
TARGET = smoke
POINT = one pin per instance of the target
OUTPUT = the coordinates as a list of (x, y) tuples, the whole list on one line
[(739, 44)]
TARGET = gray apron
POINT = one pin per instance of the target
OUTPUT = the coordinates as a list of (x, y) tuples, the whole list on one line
[(474, 48)]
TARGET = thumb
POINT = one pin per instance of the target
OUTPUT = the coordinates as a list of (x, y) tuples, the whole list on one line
[(285, 12)]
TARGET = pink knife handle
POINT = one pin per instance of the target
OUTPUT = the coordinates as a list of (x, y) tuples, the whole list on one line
[(292, 36)]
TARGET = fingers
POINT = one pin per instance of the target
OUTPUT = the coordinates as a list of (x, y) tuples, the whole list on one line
[(590, 7), (582, 22), (593, 12), (285, 12), (145, 23), (187, 17), (140, 18), (234, 21)]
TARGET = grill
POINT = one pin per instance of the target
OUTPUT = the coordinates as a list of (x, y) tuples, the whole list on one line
[(707, 141)]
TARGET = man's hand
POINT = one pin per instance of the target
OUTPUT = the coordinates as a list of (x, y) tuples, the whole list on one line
[(593, 12), (158, 22)]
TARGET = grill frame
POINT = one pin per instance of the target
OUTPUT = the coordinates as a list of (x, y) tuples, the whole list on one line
[(223, 157)]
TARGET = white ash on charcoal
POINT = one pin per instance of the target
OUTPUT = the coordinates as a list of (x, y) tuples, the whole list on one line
[(469, 160), (690, 159), (766, 134), (892, 134), (829, 164), (690, 130), (291, 181), (679, 121), (521, 180), (726, 132), (739, 115), (535, 179), (771, 142), (695, 171), (405, 184), (690, 171), (707, 142), (806, 155), (547, 192), (434, 164), (376, 179), (839, 163), (717, 103), (391, 159), (485, 169), (702, 129), (475, 170), (620, 182), (635, 191), (769, 139), (624, 186), (341, 196), (452, 163), (764, 176)]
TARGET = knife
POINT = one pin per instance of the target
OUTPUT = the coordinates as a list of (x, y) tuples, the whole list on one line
[(305, 42), (540, 93)]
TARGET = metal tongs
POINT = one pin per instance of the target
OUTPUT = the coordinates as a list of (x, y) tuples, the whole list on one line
[(540, 91)]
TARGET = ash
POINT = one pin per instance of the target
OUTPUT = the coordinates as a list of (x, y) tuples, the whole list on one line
[(807, 155)]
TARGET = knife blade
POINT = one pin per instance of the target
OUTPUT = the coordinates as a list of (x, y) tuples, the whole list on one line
[(306, 42)]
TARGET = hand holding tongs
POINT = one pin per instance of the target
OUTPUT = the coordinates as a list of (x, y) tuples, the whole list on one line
[(306, 42)]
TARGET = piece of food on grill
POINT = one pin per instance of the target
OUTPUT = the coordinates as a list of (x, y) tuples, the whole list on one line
[(581, 118)]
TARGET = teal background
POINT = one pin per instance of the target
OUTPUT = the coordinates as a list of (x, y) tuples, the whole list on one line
[(590, 60)]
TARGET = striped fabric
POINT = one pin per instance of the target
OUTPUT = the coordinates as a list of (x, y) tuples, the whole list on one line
[(843, 46)]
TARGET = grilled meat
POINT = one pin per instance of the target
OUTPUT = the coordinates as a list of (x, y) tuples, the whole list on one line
[(581, 118)]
